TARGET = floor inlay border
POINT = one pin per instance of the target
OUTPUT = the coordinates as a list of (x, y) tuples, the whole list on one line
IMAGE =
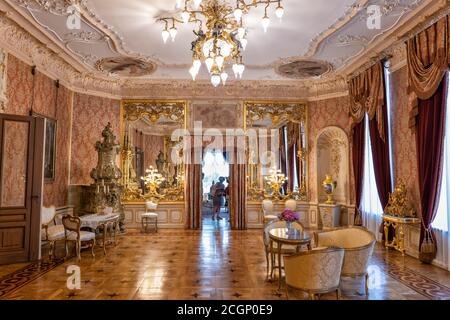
[(415, 280), (19, 278)]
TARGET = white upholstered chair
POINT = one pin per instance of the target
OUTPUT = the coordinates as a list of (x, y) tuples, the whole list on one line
[(150, 216), (268, 211), (358, 244), (290, 204), (315, 271), (285, 249), (51, 232), (73, 233)]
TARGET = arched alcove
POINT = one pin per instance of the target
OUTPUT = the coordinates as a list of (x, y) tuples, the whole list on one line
[(333, 158)]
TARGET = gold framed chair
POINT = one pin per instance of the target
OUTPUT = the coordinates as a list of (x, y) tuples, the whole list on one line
[(316, 271), (358, 244), (150, 217), (73, 232), (51, 232), (285, 249)]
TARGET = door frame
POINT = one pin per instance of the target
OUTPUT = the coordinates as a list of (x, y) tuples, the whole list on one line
[(34, 186)]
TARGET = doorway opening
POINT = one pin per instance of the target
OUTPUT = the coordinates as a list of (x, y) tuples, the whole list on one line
[(215, 180)]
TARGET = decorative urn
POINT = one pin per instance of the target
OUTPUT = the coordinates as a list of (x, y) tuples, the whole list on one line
[(329, 186)]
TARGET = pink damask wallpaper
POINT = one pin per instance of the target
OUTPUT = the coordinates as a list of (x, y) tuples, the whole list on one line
[(20, 102), (90, 115), (321, 114), (152, 146), (403, 138), (19, 86)]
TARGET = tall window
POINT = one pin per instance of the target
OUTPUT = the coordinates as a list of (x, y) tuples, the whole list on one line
[(387, 84), (370, 201), (441, 221)]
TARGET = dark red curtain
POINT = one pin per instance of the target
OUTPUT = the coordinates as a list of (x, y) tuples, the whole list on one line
[(380, 156), (430, 128), (381, 163), (358, 165)]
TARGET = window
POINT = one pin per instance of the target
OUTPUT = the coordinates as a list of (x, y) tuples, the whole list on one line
[(442, 216), (370, 201), (387, 84)]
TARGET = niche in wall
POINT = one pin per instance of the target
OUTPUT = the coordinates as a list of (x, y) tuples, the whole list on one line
[(333, 158)]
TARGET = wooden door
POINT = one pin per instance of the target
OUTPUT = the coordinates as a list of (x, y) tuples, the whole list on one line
[(21, 159)]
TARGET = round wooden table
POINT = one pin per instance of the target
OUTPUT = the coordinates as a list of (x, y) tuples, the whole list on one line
[(288, 237)]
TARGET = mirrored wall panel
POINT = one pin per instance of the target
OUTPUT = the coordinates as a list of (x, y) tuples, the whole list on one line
[(277, 148), (150, 169)]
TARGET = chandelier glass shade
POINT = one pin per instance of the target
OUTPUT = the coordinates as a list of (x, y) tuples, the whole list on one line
[(221, 36)]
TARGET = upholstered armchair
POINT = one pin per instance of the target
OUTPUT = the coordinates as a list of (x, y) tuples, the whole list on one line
[(268, 211), (285, 249), (51, 232), (358, 244), (150, 216), (73, 232), (290, 204), (315, 271)]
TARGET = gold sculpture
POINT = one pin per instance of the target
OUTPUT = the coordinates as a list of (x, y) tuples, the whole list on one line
[(277, 112), (276, 181), (153, 180), (398, 204), (329, 186)]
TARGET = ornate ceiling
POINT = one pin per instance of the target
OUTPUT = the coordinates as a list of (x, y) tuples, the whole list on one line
[(120, 41)]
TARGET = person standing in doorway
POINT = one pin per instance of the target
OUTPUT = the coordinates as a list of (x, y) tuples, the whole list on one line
[(218, 196)]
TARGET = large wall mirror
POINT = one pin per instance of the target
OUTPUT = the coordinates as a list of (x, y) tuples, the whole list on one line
[(150, 171), (277, 147)]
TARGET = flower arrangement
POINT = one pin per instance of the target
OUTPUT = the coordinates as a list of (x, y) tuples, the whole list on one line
[(288, 216)]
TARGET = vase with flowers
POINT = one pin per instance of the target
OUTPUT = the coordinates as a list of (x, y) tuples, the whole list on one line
[(289, 216)]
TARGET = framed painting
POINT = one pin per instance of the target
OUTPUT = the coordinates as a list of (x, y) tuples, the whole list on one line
[(49, 148)]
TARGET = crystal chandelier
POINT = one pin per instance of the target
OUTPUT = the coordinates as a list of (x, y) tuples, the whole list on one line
[(220, 43)]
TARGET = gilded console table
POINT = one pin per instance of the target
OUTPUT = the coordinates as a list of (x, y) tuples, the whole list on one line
[(398, 223)]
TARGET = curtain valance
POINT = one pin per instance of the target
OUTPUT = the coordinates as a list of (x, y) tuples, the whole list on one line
[(367, 95), (428, 59)]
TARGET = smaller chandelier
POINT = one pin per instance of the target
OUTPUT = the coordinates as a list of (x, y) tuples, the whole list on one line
[(153, 180), (276, 180), (220, 44)]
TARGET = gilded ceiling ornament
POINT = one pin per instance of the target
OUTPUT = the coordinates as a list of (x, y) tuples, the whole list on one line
[(153, 110), (278, 112)]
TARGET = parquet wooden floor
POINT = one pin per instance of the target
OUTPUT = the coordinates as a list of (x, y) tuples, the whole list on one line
[(213, 263)]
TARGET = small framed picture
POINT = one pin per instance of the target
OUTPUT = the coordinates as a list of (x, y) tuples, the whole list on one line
[(49, 148)]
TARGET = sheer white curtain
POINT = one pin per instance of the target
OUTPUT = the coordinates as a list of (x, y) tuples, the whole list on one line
[(371, 210), (441, 222)]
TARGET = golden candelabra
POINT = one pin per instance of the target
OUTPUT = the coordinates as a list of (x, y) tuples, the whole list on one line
[(276, 180), (223, 39), (153, 180)]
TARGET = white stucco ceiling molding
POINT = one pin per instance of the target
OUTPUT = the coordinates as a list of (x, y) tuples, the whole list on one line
[(22, 44), (89, 15), (384, 43), (17, 41), (351, 12)]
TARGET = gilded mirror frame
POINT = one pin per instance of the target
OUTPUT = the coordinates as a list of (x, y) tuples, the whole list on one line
[(133, 110), (279, 112)]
